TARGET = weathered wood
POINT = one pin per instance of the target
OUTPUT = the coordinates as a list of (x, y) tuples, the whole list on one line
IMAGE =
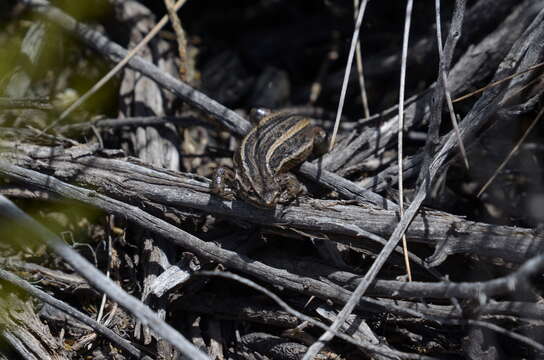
[(134, 182), (23, 330), (291, 56)]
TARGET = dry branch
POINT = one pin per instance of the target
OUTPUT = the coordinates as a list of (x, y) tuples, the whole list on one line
[(317, 252), (139, 184), (15, 280), (99, 280), (227, 117)]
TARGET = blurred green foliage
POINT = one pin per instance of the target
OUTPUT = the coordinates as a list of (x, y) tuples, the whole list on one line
[(69, 220), (40, 60)]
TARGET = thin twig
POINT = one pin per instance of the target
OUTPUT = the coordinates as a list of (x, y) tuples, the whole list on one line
[(454, 122), (521, 338), (105, 296), (354, 41), (119, 178), (25, 103), (388, 248), (512, 152), (182, 39), (115, 69), (229, 258), (380, 349), (76, 314), (112, 123), (360, 69), (433, 134), (400, 133), (498, 82), (99, 281), (362, 287), (516, 92), (228, 118), (116, 53), (442, 74)]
